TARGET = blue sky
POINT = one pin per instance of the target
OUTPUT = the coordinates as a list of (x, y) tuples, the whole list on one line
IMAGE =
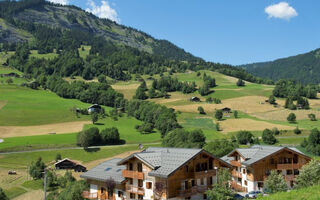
[(226, 31)]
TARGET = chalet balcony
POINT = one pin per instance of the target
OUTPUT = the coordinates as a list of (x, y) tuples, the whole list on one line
[(235, 163), (289, 166), (132, 174), (88, 195), (290, 177), (135, 189), (203, 174), (238, 187), (236, 174), (193, 191)]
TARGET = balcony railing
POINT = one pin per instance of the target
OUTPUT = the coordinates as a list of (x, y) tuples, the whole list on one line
[(202, 174), (236, 174), (289, 166), (290, 177), (235, 163), (88, 195), (238, 188), (132, 174), (135, 189), (193, 191)]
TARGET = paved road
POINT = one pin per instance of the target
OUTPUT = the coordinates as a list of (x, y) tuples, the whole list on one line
[(67, 148)]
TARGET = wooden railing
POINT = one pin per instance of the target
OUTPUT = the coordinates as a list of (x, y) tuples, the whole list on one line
[(289, 166), (238, 188), (290, 177), (88, 195), (193, 191), (235, 163), (132, 174), (135, 189), (202, 174), (236, 174)]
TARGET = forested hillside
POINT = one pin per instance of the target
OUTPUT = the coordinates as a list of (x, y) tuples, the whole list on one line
[(304, 68)]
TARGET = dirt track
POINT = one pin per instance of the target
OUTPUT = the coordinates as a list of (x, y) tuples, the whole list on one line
[(58, 128)]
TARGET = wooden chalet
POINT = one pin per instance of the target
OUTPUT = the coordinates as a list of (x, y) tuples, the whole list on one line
[(253, 165), (158, 173), (69, 165)]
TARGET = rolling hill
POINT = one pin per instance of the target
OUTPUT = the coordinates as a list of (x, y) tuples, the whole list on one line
[(304, 68)]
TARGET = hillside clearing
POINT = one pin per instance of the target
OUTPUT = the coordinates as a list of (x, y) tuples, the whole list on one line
[(232, 125), (58, 128), (281, 115)]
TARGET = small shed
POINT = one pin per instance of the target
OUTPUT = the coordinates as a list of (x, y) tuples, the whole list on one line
[(80, 168), (195, 99), (226, 110), (94, 108)]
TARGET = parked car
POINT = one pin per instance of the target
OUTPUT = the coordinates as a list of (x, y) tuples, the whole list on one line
[(238, 196), (253, 194)]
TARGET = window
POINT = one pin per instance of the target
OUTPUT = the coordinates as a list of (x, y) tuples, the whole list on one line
[(267, 172), (272, 161), (186, 185), (295, 158), (243, 171), (240, 180), (132, 196), (289, 172), (279, 171), (130, 166), (193, 183), (296, 172), (120, 194), (201, 181), (149, 185), (210, 163), (139, 167), (245, 182), (130, 181), (204, 196), (140, 197), (140, 183), (260, 184), (210, 180), (198, 167)]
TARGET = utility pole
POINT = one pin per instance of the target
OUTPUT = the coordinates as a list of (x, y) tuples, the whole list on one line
[(45, 184)]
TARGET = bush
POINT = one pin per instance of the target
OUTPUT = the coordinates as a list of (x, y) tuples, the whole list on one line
[(219, 115), (58, 157), (309, 175), (312, 117), (275, 183), (184, 139), (275, 131), (235, 114), (218, 127), (110, 136), (88, 137), (240, 83), (268, 137), (201, 110), (220, 148), (3, 196), (291, 118), (297, 131), (145, 128), (94, 117), (272, 100), (244, 137)]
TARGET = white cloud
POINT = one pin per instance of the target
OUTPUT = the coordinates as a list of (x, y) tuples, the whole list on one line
[(62, 2), (281, 10), (103, 11)]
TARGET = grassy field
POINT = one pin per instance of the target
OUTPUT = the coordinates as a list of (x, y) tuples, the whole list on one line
[(310, 193), (85, 52), (126, 127), (25, 107), (35, 54)]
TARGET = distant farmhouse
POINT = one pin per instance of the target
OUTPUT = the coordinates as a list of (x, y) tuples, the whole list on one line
[(253, 165), (226, 110), (94, 108), (69, 165), (195, 99), (155, 173)]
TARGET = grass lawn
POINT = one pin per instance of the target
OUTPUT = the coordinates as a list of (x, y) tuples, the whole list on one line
[(14, 192), (33, 184), (38, 142), (310, 193), (22, 160), (85, 52), (126, 127), (35, 107)]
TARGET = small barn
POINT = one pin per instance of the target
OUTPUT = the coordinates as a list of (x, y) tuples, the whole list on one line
[(195, 99), (69, 164), (226, 110), (94, 108)]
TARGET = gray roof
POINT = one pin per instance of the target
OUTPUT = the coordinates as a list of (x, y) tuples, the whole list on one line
[(258, 152), (106, 170), (164, 161)]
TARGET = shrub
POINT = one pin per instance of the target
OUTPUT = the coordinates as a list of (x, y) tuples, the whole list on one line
[(219, 115), (88, 137), (3, 196), (235, 114), (297, 131), (240, 83), (309, 175), (275, 183), (110, 136), (268, 137), (312, 117), (291, 118), (145, 128), (244, 137), (201, 110), (275, 131), (272, 100)]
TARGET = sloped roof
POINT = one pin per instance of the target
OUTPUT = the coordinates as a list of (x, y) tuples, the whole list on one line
[(105, 171), (65, 159), (258, 152), (164, 161)]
